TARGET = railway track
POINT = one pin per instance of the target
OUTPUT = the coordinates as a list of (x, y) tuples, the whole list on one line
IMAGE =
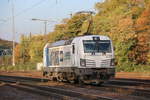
[(130, 82), (116, 81), (133, 86), (107, 91), (58, 93)]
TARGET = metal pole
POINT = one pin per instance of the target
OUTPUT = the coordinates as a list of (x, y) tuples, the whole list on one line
[(45, 24), (45, 31), (13, 31)]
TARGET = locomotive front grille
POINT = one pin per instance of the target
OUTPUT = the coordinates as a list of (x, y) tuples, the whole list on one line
[(105, 63), (90, 63)]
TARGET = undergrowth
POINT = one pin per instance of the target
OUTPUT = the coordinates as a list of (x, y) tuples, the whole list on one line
[(133, 68), (19, 67)]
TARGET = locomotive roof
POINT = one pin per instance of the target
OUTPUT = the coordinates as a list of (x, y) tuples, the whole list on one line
[(68, 42), (102, 37), (61, 42)]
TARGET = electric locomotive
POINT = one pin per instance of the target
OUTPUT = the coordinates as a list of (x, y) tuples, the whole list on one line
[(83, 59)]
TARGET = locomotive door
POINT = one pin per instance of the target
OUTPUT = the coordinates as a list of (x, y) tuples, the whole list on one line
[(73, 55)]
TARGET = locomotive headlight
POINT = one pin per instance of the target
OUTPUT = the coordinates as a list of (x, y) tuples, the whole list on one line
[(83, 62), (112, 62)]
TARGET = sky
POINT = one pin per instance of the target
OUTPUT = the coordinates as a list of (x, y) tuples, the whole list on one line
[(25, 10)]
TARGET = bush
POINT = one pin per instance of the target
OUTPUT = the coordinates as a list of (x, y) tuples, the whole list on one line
[(19, 67), (133, 68)]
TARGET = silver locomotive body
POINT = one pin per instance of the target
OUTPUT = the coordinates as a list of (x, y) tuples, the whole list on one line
[(85, 59)]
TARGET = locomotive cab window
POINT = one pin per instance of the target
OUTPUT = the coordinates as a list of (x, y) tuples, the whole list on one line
[(100, 46)]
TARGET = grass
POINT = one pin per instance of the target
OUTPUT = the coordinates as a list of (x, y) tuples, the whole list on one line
[(134, 68), (19, 67), (145, 68), (32, 67)]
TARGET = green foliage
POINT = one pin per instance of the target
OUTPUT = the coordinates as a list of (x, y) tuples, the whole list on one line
[(133, 68), (5, 60), (117, 19), (19, 67), (30, 49), (36, 48), (24, 49)]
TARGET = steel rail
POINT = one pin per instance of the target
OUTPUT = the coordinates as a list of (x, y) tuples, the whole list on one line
[(120, 81), (54, 92), (26, 78), (129, 82), (105, 87), (136, 80)]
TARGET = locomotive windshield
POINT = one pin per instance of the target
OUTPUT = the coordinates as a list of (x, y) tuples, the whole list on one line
[(99, 46)]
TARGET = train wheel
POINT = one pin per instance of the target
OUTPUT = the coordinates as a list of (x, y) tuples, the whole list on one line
[(80, 80), (44, 73), (54, 79), (99, 83)]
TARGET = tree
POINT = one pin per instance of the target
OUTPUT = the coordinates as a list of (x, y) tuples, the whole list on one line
[(36, 46), (17, 54), (24, 49), (140, 52)]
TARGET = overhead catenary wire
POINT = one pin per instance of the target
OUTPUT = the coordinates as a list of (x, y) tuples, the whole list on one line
[(24, 10), (4, 21), (28, 9)]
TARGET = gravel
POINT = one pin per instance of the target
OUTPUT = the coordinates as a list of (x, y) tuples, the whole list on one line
[(10, 93)]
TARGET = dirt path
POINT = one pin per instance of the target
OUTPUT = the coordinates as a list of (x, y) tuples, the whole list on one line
[(133, 75), (37, 74)]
